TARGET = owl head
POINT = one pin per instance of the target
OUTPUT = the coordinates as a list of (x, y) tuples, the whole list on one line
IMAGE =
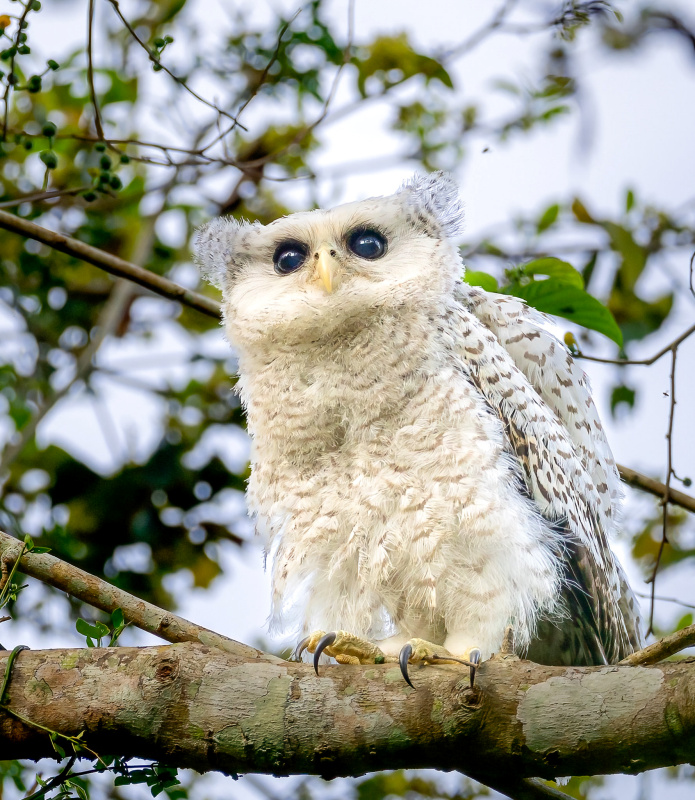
[(316, 274)]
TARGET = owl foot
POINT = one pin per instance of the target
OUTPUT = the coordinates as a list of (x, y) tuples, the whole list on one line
[(420, 651), (344, 647)]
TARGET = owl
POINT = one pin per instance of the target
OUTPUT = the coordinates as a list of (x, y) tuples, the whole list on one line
[(428, 466)]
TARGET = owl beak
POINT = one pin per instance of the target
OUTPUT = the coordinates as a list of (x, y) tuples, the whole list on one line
[(327, 267)]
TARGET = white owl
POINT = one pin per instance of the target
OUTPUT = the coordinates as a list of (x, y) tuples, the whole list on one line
[(428, 466)]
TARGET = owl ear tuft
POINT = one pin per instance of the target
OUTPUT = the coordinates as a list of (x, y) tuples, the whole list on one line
[(214, 249), (438, 195)]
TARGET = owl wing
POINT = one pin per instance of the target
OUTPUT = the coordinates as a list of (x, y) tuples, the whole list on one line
[(544, 401)]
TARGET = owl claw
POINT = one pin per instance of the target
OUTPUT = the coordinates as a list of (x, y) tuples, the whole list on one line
[(403, 656), (424, 652), (324, 642), (474, 657), (300, 648)]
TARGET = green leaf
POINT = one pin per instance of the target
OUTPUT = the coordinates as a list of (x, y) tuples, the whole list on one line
[(117, 618), (96, 631), (548, 218), (562, 299), (622, 394), (482, 279), (580, 212), (684, 621), (629, 200), (561, 271)]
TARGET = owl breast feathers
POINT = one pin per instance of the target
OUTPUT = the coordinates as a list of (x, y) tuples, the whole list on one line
[(427, 459)]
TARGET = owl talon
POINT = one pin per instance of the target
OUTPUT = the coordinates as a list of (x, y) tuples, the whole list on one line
[(403, 656), (300, 648), (474, 657), (418, 650), (324, 642)]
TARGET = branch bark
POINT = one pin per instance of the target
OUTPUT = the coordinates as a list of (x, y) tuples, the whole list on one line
[(111, 264), (199, 707), (104, 596), (657, 488)]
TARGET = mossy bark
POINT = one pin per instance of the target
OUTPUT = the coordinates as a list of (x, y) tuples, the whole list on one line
[(196, 706)]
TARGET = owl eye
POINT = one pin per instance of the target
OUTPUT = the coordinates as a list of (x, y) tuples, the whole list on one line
[(289, 257), (367, 244)]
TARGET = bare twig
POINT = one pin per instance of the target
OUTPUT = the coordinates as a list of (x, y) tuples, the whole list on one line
[(164, 68), (90, 73), (302, 134), (666, 599), (100, 594), (481, 34), (111, 264), (658, 651), (667, 486), (39, 196), (644, 362)]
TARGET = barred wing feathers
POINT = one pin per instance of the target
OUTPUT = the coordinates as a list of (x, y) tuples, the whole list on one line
[(532, 383)]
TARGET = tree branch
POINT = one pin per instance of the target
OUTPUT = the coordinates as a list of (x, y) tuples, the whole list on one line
[(657, 488), (111, 264), (668, 646), (200, 707), (102, 595)]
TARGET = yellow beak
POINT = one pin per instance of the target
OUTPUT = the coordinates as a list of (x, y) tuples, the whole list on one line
[(327, 268)]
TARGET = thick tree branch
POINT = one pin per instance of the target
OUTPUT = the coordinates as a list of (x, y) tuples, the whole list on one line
[(102, 595), (197, 706)]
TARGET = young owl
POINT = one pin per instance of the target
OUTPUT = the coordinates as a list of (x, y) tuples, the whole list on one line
[(428, 466)]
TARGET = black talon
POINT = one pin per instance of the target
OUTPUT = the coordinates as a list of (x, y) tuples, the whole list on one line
[(324, 642), (475, 660), (403, 657), (300, 648)]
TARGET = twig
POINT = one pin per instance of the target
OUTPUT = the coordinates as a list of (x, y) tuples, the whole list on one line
[(100, 594), (640, 481), (5, 619), (658, 651), (164, 68), (666, 599), (111, 264), (481, 34), (11, 75), (56, 781), (90, 73), (667, 486), (521, 788), (644, 362), (37, 196), (260, 162)]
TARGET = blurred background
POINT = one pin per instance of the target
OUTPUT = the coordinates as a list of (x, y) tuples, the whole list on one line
[(569, 127)]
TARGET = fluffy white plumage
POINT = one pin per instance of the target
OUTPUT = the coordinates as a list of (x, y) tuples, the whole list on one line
[(427, 460)]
